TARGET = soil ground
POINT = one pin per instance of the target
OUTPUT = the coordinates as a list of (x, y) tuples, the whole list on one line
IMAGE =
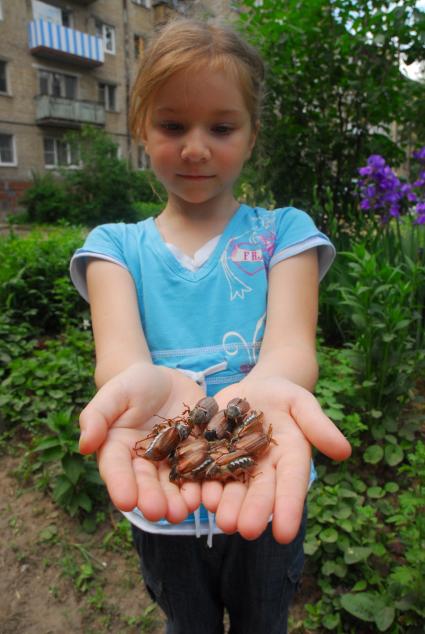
[(55, 578)]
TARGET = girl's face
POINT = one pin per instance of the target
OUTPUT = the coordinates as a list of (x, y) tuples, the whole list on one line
[(198, 135)]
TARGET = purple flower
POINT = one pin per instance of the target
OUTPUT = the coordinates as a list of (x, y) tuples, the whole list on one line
[(376, 161), (419, 155), (382, 192)]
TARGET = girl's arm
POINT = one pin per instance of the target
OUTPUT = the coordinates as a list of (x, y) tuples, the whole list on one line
[(280, 385), (132, 391), (288, 349)]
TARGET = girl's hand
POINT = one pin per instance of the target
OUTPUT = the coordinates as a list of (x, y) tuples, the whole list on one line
[(281, 478), (122, 412)]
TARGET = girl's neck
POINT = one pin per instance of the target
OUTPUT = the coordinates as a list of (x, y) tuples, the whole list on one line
[(190, 226)]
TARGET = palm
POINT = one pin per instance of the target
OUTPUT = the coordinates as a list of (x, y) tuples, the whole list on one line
[(123, 411), (281, 478)]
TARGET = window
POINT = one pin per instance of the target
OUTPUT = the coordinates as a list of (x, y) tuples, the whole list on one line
[(107, 33), (67, 18), (57, 84), (59, 153), (3, 76), (1, 10), (107, 96), (7, 149), (139, 46)]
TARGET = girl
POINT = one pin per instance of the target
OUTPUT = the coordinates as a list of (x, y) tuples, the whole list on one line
[(214, 297)]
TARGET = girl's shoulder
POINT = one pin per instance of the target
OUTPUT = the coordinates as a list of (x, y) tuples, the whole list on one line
[(120, 229), (283, 220)]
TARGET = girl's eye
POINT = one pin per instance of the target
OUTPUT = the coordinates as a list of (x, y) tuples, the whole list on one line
[(222, 129), (171, 126)]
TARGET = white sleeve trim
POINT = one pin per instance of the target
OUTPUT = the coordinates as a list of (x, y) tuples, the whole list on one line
[(325, 255), (77, 269)]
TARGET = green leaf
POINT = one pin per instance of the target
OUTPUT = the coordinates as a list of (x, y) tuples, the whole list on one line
[(384, 618), (331, 621), (391, 487), (83, 501), (360, 585), (311, 547), (74, 467), (47, 443), (362, 605), (329, 535), (356, 553), (373, 454), (394, 454), (375, 492)]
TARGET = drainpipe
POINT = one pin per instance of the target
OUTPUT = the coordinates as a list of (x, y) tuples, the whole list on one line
[(127, 77)]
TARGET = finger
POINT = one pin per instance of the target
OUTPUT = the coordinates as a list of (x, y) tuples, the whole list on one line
[(177, 509), (318, 428), (116, 470), (96, 418), (211, 495), (229, 506), (292, 481), (191, 493), (258, 504), (114, 404), (151, 499)]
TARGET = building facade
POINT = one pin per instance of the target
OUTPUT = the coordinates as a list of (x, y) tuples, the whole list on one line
[(67, 63)]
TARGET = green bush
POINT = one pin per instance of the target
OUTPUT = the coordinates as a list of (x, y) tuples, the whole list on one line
[(102, 189), (35, 286), (41, 377), (46, 200)]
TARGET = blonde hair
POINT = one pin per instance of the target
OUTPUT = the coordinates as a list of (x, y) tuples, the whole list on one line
[(185, 44)]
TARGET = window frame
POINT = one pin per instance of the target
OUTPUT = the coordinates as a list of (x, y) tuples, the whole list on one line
[(56, 153), (14, 161), (62, 79), (101, 31), (6, 77), (105, 88)]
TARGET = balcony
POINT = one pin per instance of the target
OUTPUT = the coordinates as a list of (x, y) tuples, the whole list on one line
[(61, 43), (68, 113)]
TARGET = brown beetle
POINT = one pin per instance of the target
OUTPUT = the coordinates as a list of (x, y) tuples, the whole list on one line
[(164, 441), (232, 466), (252, 422), (217, 428), (203, 411), (184, 467), (194, 473), (189, 446), (254, 443), (236, 409)]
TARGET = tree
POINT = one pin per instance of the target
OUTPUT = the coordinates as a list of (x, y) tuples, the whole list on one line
[(334, 87)]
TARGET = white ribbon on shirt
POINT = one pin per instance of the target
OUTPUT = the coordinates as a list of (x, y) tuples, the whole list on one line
[(199, 377)]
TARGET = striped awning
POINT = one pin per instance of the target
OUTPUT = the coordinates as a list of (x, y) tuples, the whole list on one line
[(57, 41)]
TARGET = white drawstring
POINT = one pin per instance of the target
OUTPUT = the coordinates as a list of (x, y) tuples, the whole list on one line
[(197, 516), (199, 377), (211, 522)]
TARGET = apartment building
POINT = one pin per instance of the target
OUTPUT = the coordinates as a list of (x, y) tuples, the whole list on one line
[(65, 63)]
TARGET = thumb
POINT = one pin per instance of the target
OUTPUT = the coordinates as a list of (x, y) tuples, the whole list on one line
[(97, 417), (319, 430)]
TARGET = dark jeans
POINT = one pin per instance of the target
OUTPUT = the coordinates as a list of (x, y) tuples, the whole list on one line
[(254, 580)]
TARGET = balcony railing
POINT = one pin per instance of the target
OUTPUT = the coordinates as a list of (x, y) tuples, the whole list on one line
[(58, 42), (70, 113)]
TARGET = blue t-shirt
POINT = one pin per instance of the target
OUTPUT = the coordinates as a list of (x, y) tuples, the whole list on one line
[(215, 316), (210, 322)]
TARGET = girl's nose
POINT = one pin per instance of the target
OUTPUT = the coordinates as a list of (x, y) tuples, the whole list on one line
[(195, 148)]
